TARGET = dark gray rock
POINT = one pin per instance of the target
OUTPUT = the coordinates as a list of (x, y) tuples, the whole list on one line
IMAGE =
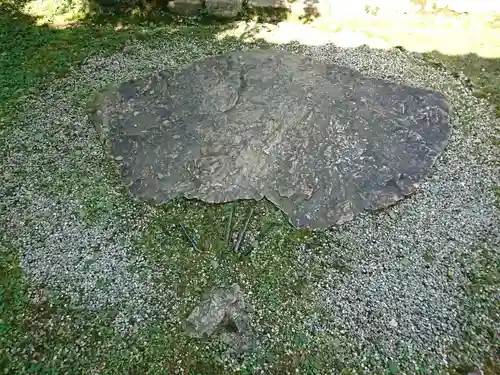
[(279, 4), (223, 313), (185, 7), (320, 141), (224, 8)]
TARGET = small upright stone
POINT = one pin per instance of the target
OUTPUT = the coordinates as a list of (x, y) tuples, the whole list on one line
[(224, 8), (222, 313), (185, 7)]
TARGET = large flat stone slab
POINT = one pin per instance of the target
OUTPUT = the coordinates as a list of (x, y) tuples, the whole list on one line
[(320, 141)]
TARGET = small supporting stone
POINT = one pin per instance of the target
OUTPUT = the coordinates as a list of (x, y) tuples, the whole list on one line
[(222, 313), (224, 8), (279, 4), (185, 7)]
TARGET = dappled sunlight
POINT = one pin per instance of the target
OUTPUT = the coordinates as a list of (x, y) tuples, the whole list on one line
[(451, 34), (56, 12)]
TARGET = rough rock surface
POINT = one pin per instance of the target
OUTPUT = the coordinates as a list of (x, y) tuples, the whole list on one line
[(224, 8), (320, 141), (222, 312), (282, 4), (185, 7)]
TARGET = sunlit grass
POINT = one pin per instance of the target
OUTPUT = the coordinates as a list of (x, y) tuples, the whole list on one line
[(444, 31), (451, 33), (57, 12)]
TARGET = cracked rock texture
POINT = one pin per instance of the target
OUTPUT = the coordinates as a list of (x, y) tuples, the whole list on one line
[(222, 312), (319, 140)]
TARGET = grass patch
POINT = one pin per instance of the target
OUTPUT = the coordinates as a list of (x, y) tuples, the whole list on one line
[(483, 270), (52, 335), (483, 73), (265, 267), (32, 55)]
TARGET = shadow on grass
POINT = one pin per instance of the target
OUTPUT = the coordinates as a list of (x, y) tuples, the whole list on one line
[(480, 74), (32, 54)]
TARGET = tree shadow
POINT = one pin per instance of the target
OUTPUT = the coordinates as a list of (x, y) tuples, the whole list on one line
[(266, 15), (32, 54), (479, 74), (306, 10), (311, 11)]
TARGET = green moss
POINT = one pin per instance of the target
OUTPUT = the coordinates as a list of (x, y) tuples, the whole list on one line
[(269, 271), (267, 263), (482, 268), (484, 73)]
